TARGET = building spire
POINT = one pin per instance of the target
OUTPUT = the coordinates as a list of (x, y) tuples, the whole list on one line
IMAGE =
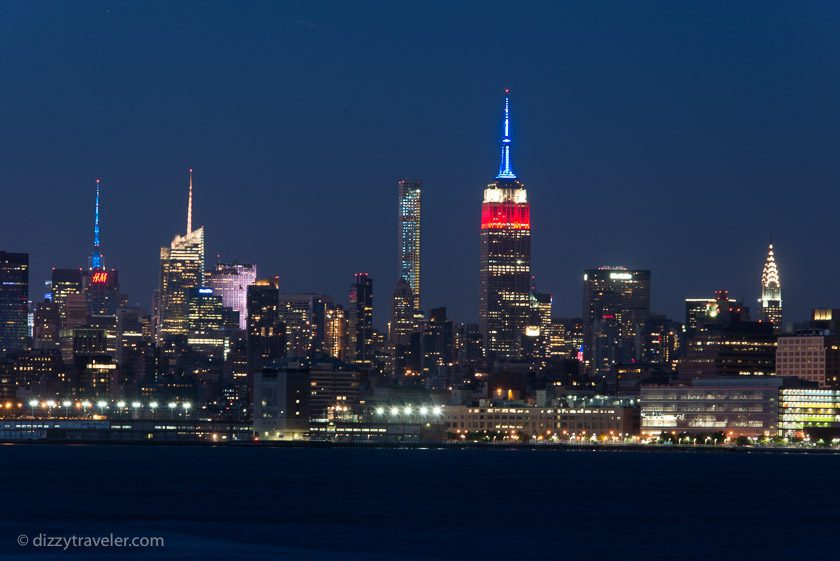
[(505, 167), (96, 259), (189, 208)]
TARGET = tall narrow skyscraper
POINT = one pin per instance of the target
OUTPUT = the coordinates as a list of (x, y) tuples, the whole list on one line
[(102, 288), (181, 270), (360, 313), (505, 289), (771, 292), (96, 260), (409, 235), (14, 297)]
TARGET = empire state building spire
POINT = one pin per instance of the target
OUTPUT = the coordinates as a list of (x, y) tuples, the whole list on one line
[(96, 261), (505, 166), (189, 208)]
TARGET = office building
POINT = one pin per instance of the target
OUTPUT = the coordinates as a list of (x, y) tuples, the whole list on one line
[(812, 355), (616, 304), (737, 347), (734, 406), (403, 315), (231, 281), (505, 275), (281, 401), (701, 311), (181, 270), (809, 412), (335, 331), (304, 316), (360, 319), (266, 332), (65, 282), (45, 327), (14, 301)]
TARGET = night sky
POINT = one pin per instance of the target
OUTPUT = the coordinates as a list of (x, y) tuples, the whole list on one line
[(671, 136)]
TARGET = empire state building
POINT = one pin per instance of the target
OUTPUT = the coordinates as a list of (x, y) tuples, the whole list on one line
[(505, 291)]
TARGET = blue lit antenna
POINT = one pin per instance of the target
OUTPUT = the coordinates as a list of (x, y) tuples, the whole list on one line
[(505, 168), (96, 259)]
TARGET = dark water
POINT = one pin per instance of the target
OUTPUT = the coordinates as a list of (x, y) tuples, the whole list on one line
[(355, 504)]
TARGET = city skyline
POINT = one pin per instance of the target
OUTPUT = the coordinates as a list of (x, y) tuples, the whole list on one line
[(671, 166)]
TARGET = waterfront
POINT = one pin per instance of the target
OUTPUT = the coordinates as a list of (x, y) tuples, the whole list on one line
[(354, 504)]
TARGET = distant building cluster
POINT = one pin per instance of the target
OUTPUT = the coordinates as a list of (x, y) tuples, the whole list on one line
[(225, 353)]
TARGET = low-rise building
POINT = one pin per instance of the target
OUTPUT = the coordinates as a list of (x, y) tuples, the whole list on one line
[(809, 412), (742, 406), (529, 421)]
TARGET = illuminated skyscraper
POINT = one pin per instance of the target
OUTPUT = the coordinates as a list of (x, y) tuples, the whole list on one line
[(181, 270), (304, 318), (409, 235), (361, 319), (96, 260), (771, 292), (230, 281), (102, 290), (616, 304), (64, 283), (14, 298), (266, 332), (335, 331), (403, 316), (505, 289)]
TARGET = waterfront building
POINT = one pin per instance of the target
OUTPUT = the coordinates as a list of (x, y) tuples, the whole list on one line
[(335, 389), (548, 423), (739, 406), (505, 275), (810, 412), (281, 401)]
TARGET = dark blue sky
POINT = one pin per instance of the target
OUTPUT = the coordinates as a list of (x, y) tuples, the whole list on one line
[(663, 135)]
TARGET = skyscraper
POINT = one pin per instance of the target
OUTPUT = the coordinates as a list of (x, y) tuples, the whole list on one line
[(408, 219), (14, 298), (230, 281), (335, 331), (64, 283), (181, 270), (96, 259), (403, 315), (102, 290), (771, 292), (505, 287), (360, 313), (616, 304), (266, 332), (304, 317)]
